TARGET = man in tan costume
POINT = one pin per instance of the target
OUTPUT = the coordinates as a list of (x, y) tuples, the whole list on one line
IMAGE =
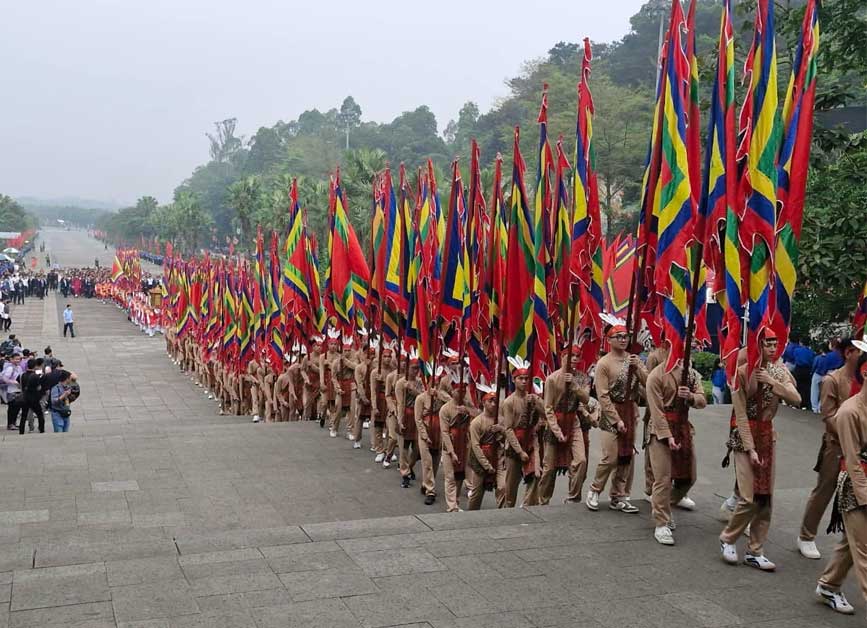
[(522, 412), (362, 411), (835, 389), (312, 390), (670, 441), (486, 444), (343, 371), (327, 405), (285, 392), (427, 424), (455, 418), (406, 390), (379, 404), (618, 415), (564, 447), (850, 507), (752, 442)]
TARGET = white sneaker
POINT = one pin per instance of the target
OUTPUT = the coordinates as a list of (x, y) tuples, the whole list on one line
[(379, 458), (350, 437), (332, 433), (686, 504), (365, 425), (808, 549), (255, 418), (592, 500), (729, 552), (623, 505), (759, 562), (671, 524), (356, 445), (394, 457), (386, 464), (835, 599), (663, 536)]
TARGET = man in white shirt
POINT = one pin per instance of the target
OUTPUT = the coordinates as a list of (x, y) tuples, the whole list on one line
[(68, 321)]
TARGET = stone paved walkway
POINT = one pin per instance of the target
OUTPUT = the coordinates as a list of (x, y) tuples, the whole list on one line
[(154, 512)]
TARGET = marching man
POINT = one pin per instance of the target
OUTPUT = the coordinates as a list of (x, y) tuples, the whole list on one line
[(755, 402), (669, 446), (619, 411)]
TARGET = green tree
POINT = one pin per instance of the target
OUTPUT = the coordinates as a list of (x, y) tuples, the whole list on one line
[(12, 215), (244, 198), (349, 116), (833, 249), (224, 143)]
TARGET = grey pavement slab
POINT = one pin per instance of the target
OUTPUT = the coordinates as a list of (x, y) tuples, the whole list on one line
[(156, 600), (155, 512), (59, 586)]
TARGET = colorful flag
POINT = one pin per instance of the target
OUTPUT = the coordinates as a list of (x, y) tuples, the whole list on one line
[(540, 354), (563, 242), (672, 197), (348, 274), (455, 290), (792, 170), (259, 294), (275, 323), (719, 194), (519, 293), (116, 270), (587, 257), (759, 148)]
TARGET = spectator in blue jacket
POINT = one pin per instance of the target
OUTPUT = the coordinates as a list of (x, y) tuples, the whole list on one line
[(718, 381)]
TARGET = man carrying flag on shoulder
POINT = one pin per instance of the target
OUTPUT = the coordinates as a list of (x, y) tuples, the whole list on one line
[(618, 414), (522, 411), (669, 447), (756, 399), (565, 392)]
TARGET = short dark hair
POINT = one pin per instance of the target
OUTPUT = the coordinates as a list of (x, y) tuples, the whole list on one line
[(69, 305), (844, 345), (31, 364), (47, 350), (64, 375)]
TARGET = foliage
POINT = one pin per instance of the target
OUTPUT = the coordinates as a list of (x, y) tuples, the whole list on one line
[(833, 253), (13, 217), (703, 362), (129, 224)]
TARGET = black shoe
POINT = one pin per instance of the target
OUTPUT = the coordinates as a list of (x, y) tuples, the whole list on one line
[(321, 421), (11, 427), (404, 482), (430, 499), (412, 475)]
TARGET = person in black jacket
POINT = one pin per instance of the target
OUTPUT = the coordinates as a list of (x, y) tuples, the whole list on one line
[(32, 392)]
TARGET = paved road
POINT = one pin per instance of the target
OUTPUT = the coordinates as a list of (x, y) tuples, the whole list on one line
[(154, 512)]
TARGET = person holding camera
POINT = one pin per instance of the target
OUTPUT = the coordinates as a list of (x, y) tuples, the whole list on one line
[(61, 394)]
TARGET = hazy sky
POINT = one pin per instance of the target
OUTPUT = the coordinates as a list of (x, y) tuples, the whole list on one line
[(110, 99)]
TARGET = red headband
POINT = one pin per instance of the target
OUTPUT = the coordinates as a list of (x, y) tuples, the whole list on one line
[(616, 329)]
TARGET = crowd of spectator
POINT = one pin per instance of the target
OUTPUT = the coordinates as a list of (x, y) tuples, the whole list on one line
[(32, 385), (809, 367)]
